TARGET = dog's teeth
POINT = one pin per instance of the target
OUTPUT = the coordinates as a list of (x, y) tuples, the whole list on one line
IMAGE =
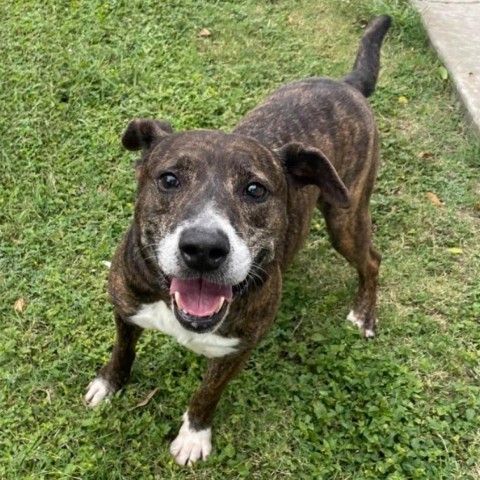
[(177, 298), (220, 304)]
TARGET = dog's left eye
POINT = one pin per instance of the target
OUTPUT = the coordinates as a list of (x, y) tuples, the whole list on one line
[(256, 191), (168, 181)]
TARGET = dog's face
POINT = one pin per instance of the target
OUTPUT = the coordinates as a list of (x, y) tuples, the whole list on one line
[(212, 212)]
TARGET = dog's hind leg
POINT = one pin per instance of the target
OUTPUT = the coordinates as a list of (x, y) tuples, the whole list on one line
[(350, 231), (116, 372)]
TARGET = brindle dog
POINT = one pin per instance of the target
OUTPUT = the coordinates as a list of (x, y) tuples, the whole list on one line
[(219, 216)]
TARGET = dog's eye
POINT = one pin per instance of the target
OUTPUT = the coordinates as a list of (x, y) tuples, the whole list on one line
[(256, 191), (168, 181)]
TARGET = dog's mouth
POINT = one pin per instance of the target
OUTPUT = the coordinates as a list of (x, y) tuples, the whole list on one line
[(199, 305)]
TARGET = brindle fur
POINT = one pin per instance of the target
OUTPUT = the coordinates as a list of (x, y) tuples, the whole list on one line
[(284, 142)]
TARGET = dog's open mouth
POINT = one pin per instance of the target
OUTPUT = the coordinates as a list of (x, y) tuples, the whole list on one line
[(199, 305)]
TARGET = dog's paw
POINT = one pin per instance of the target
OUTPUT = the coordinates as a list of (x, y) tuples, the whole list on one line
[(356, 320), (191, 445), (98, 389)]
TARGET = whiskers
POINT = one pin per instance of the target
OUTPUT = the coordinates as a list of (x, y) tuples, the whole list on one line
[(147, 249), (149, 245), (257, 274), (152, 258)]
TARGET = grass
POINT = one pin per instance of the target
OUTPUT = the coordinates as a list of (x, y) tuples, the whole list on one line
[(316, 400)]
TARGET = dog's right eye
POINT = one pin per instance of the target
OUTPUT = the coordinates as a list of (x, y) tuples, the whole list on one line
[(168, 181)]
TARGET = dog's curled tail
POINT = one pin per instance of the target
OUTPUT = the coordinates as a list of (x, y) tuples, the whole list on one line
[(367, 64)]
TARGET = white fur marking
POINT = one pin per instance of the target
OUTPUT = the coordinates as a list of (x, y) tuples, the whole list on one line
[(352, 317), (191, 445), (159, 316), (368, 332), (168, 252), (239, 260), (98, 389)]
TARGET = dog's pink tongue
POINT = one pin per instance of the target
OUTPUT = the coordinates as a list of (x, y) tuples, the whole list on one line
[(199, 297)]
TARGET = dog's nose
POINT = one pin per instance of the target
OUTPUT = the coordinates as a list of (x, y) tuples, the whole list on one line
[(204, 250)]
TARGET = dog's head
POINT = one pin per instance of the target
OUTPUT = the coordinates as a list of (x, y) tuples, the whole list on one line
[(212, 211)]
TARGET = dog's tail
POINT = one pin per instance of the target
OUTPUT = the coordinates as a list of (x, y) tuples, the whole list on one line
[(367, 64)]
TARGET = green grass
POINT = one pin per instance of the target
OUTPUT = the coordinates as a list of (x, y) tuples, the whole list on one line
[(316, 400)]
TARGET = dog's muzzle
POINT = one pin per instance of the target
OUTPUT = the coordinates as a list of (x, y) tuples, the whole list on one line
[(200, 304)]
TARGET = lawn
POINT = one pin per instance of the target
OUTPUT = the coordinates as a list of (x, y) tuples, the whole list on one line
[(316, 401)]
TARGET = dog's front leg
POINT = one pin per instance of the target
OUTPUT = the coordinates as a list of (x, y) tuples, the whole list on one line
[(194, 438), (116, 372)]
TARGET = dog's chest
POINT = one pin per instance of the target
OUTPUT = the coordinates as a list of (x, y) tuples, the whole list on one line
[(158, 316)]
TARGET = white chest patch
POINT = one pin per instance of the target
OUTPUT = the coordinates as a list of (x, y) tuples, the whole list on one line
[(158, 316)]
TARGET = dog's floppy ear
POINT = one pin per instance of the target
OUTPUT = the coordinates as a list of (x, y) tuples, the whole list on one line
[(142, 133), (309, 166)]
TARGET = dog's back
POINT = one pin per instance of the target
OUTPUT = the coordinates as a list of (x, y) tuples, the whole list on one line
[(323, 113)]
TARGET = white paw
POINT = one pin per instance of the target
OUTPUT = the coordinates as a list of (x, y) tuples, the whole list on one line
[(191, 445), (352, 317), (367, 332), (98, 389)]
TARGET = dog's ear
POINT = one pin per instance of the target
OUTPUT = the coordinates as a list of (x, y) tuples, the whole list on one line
[(309, 166), (142, 133)]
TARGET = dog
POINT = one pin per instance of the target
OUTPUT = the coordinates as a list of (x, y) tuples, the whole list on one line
[(219, 217)]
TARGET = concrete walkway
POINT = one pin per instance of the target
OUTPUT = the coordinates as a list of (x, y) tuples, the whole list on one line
[(453, 27)]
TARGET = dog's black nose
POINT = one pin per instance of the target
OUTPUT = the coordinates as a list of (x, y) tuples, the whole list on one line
[(204, 250)]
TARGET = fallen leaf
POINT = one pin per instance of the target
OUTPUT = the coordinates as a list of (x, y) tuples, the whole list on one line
[(403, 100), (106, 263), (434, 199), (19, 305), (425, 155), (455, 250), (204, 33), (443, 72), (146, 399)]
